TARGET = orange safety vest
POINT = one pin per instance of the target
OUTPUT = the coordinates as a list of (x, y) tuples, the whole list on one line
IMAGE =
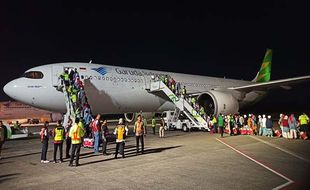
[(76, 134), (139, 127)]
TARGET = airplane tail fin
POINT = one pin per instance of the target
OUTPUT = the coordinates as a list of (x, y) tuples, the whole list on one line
[(265, 70)]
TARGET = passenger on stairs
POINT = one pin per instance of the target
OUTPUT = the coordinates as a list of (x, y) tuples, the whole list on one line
[(65, 78)]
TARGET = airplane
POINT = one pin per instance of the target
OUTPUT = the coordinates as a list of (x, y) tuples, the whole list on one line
[(11, 111), (124, 90)]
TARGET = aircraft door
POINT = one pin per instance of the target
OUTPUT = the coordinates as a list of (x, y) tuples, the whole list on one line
[(57, 70)]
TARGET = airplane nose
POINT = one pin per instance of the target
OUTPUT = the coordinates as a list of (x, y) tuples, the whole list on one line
[(10, 89)]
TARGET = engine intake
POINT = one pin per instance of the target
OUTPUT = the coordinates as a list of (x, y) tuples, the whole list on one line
[(216, 102)]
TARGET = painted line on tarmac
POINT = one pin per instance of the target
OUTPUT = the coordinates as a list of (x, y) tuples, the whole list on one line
[(282, 149), (289, 181)]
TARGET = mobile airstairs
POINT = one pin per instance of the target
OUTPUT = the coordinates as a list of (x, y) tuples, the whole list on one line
[(181, 105)]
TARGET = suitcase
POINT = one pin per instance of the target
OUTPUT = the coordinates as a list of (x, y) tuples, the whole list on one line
[(226, 131), (88, 142), (277, 133), (243, 131), (236, 131), (303, 135), (249, 132)]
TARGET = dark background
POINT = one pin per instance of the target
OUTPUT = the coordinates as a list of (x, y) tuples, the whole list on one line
[(215, 38)]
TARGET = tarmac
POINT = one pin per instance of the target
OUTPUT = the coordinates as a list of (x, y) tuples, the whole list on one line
[(181, 160)]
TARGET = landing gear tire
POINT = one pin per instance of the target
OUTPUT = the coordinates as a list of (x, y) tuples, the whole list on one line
[(185, 128), (166, 128)]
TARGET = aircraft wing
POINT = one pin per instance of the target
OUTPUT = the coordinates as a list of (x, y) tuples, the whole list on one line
[(282, 83)]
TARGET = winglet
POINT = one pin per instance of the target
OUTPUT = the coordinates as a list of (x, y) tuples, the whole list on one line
[(265, 70)]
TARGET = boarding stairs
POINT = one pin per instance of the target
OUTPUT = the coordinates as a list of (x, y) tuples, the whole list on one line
[(180, 104), (69, 107)]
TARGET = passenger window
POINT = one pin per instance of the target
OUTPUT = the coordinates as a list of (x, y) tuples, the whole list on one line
[(33, 75)]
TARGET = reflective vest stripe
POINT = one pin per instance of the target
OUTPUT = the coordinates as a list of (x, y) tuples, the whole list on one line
[(76, 134)]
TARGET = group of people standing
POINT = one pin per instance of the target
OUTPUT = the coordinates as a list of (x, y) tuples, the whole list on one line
[(290, 127)]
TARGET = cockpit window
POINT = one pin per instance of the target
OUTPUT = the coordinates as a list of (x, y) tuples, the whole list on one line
[(33, 75)]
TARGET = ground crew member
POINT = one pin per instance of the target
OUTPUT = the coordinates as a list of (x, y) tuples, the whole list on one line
[(304, 120), (162, 128), (76, 133), (139, 132), (58, 134), (220, 124), (105, 133), (68, 139), (153, 125), (3, 136), (121, 132), (44, 134)]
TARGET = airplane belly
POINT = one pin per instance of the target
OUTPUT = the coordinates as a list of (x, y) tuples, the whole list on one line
[(120, 99)]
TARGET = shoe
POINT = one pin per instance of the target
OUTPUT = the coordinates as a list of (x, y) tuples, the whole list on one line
[(46, 161), (61, 161), (54, 162), (76, 165), (42, 161), (70, 165)]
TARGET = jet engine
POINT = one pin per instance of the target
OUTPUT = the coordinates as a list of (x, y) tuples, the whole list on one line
[(216, 102)]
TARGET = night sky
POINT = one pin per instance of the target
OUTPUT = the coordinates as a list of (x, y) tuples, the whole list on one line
[(215, 38)]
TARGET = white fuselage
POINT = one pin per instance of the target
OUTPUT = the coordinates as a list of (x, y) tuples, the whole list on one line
[(112, 89)]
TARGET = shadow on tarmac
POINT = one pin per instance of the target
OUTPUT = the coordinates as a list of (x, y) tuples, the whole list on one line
[(22, 155), (8, 177), (133, 154)]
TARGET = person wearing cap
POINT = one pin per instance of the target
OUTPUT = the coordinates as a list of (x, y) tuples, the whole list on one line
[(121, 132), (269, 126)]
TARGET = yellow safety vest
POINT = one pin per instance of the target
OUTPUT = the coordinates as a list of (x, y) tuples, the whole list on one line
[(76, 134), (120, 132), (66, 77), (153, 122), (303, 119), (59, 134)]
